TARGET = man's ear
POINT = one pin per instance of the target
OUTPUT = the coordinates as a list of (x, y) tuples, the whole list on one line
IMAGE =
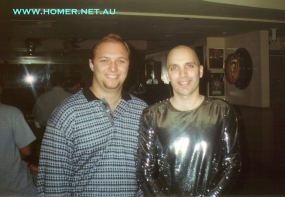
[(201, 71), (167, 77), (91, 65)]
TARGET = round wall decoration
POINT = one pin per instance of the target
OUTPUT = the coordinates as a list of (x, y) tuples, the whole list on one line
[(238, 68)]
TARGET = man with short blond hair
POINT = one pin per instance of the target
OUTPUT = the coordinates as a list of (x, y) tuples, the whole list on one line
[(90, 144)]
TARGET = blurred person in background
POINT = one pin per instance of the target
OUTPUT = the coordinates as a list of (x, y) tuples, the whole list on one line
[(16, 167), (72, 84), (48, 101)]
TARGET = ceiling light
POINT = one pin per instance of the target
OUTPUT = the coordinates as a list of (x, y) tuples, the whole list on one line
[(29, 79)]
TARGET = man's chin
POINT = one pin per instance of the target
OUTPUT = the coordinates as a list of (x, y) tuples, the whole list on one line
[(183, 92), (113, 86)]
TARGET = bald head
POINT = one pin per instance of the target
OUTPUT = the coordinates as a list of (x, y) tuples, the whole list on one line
[(180, 52), (184, 72)]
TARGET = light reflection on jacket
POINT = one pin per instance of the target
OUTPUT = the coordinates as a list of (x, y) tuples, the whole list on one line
[(188, 153)]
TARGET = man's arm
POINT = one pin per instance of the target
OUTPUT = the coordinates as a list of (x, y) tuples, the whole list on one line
[(147, 163), (55, 165), (232, 160), (26, 155), (25, 151)]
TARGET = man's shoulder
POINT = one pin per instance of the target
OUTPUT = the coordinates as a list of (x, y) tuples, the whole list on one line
[(157, 106), (68, 109), (137, 101), (72, 101), (7, 109), (218, 101)]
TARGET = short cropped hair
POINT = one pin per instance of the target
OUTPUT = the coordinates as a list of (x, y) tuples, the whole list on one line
[(110, 38), (57, 78)]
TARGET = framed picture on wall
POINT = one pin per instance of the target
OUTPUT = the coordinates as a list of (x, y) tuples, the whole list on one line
[(216, 86), (216, 58)]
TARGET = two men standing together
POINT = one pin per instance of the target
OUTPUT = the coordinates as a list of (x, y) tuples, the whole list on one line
[(188, 144)]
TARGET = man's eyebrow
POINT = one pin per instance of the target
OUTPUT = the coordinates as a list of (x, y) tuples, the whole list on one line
[(104, 56), (184, 63), (123, 58), (191, 63), (100, 57)]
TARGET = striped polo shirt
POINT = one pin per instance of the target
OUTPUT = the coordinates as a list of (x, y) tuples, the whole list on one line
[(88, 151)]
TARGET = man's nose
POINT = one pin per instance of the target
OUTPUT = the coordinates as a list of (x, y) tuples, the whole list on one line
[(113, 66), (182, 72)]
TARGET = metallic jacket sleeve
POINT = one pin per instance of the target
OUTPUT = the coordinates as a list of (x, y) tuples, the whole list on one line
[(148, 178), (232, 161), (188, 153)]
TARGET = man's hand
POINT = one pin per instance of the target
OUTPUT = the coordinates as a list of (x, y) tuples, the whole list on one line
[(25, 152), (33, 169)]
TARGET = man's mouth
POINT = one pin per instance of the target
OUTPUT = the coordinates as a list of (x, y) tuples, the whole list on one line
[(112, 76), (184, 83)]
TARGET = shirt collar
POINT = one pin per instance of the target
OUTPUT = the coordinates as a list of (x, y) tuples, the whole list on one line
[(90, 96)]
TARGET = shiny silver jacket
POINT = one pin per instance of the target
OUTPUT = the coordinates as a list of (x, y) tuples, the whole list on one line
[(188, 153)]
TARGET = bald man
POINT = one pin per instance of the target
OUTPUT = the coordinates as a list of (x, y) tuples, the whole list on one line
[(188, 144)]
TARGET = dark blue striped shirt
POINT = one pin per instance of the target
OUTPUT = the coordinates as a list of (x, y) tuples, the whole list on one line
[(87, 151)]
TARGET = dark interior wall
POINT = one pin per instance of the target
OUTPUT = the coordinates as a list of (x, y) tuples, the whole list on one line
[(23, 98), (262, 129), (276, 77), (277, 102), (256, 137), (136, 68)]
